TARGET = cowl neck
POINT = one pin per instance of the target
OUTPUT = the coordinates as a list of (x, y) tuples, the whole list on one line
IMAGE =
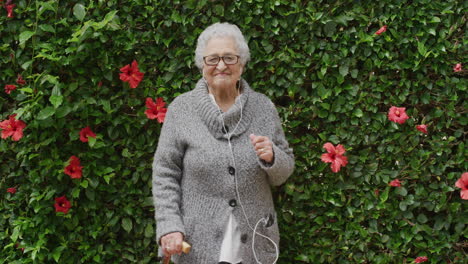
[(212, 117)]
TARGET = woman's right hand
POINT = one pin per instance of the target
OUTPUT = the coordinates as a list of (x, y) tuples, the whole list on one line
[(172, 243)]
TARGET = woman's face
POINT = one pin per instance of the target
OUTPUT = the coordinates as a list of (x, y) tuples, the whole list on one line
[(222, 76)]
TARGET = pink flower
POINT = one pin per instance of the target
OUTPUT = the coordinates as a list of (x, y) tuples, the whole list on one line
[(20, 80), (156, 110), (422, 128), (9, 9), (11, 190), (397, 115), (13, 128), (74, 168), (334, 156), (85, 133), (131, 74), (457, 67), (62, 204), (381, 30), (9, 88), (462, 183), (421, 259), (395, 183)]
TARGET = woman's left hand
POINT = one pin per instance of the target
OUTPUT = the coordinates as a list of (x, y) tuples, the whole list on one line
[(263, 147)]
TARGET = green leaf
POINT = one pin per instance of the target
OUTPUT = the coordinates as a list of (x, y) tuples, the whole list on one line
[(63, 111), (149, 231), (79, 11), (90, 194), (421, 49), (91, 141), (330, 28), (108, 177), (47, 28), (56, 100), (45, 113), (15, 234), (344, 69), (435, 19), (26, 65), (57, 253), (109, 16), (401, 191), (84, 184), (358, 112), (127, 224), (384, 195), (24, 36), (422, 218), (76, 193)]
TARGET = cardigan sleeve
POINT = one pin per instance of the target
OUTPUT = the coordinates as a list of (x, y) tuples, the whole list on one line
[(283, 163), (167, 174)]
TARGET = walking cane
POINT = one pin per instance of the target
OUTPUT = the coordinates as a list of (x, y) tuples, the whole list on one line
[(185, 248)]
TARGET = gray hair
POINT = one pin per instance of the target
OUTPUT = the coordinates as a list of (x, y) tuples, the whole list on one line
[(222, 30)]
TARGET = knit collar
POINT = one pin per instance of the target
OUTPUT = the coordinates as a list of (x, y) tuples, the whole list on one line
[(212, 117)]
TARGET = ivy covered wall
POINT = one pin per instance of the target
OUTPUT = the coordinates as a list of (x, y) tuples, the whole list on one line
[(333, 68)]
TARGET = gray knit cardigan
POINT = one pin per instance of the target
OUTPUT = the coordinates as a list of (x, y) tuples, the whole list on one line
[(193, 174)]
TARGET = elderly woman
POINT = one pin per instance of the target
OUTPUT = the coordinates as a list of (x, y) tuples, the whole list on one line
[(221, 149)]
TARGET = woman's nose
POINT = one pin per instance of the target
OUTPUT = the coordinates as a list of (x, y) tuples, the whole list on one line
[(221, 65)]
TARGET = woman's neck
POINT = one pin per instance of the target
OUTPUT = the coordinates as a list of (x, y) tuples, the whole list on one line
[(225, 98)]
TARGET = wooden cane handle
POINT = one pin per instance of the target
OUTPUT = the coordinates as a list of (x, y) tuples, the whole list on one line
[(186, 247)]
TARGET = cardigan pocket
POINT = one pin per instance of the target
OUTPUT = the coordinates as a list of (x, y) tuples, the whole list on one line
[(271, 231)]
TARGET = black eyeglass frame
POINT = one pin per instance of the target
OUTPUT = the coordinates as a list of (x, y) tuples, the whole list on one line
[(219, 59)]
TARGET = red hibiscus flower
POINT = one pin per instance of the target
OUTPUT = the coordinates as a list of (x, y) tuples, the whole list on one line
[(11, 190), (9, 9), (395, 183), (334, 156), (13, 128), (156, 110), (422, 128), (20, 80), (381, 30), (131, 74), (9, 88), (462, 183), (421, 259), (397, 115), (62, 204), (74, 169), (457, 67), (85, 133)]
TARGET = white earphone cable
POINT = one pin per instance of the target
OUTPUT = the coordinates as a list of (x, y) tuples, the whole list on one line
[(263, 219)]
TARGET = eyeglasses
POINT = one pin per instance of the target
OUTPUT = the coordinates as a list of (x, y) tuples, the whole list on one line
[(213, 60)]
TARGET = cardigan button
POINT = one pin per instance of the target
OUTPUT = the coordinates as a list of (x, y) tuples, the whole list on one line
[(233, 203), (244, 238), (232, 171)]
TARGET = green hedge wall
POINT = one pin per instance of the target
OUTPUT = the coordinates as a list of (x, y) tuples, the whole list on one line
[(332, 78)]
